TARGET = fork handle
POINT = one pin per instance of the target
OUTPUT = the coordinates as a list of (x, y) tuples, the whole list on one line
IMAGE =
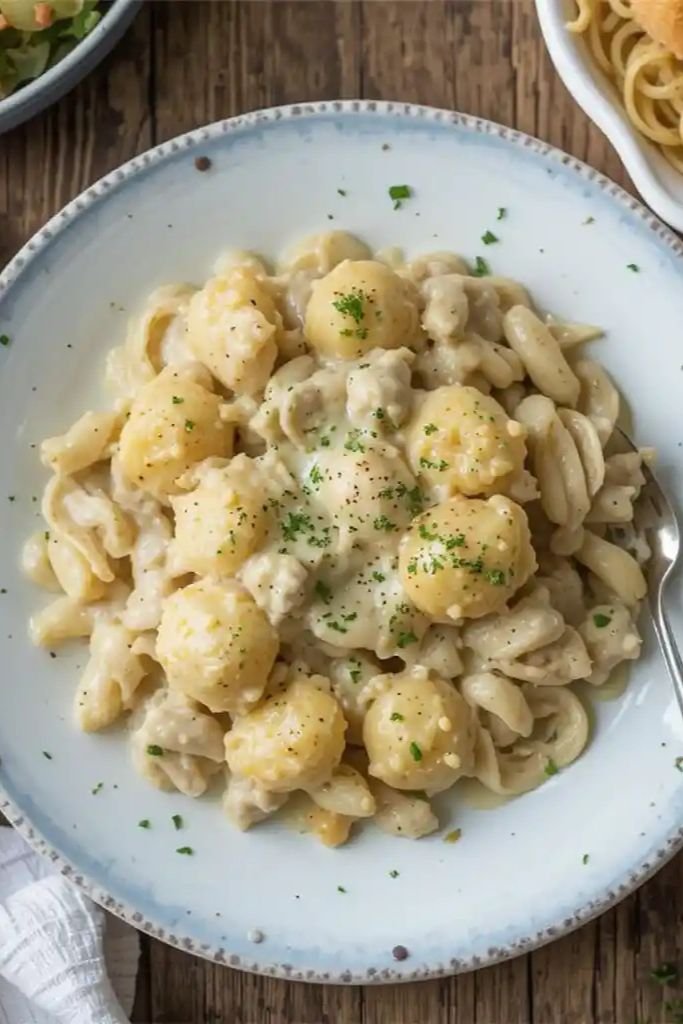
[(667, 644)]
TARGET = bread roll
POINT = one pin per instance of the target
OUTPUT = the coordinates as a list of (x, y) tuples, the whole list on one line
[(663, 20)]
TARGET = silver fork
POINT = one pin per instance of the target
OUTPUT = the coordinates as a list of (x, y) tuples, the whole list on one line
[(656, 517)]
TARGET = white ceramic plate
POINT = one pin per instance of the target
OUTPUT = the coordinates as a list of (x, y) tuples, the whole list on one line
[(517, 876), (657, 181), (49, 87)]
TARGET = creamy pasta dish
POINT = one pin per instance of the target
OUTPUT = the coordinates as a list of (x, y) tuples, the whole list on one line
[(351, 531)]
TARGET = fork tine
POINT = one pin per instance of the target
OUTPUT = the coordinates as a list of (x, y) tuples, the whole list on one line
[(653, 508)]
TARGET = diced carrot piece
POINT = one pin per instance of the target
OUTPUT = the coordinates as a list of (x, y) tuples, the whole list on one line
[(43, 14)]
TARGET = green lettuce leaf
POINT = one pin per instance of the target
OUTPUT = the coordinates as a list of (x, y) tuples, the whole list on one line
[(25, 55)]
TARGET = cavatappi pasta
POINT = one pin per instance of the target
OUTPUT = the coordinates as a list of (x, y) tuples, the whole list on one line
[(647, 73), (348, 533)]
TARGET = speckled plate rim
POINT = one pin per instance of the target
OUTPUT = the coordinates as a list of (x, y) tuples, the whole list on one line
[(194, 140)]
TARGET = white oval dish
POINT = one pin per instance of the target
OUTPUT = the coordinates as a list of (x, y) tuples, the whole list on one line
[(517, 878), (660, 185)]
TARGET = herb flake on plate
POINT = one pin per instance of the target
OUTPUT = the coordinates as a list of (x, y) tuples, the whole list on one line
[(481, 267), (398, 193)]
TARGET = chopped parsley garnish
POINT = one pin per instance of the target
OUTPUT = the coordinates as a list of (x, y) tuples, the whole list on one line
[(430, 428), (294, 524), (323, 591), (384, 524), (428, 464), (353, 441), (315, 476), (340, 888), (177, 400), (4, 340), (321, 542), (481, 267), (502, 211), (475, 565), (634, 267), (452, 837), (589, 220), (415, 500), (155, 751), (585, 858), (145, 823), (601, 620), (456, 541), (337, 627), (399, 192), (404, 639), (341, 191), (488, 238), (551, 768), (47, 754), (415, 751), (666, 974), (351, 304), (186, 851), (496, 577), (378, 577), (396, 716), (678, 764), (393, 873), (355, 673), (177, 822), (97, 789), (425, 534), (189, 426), (379, 414)]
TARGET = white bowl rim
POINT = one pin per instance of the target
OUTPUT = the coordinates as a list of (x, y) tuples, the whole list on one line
[(194, 140), (27, 95), (605, 112)]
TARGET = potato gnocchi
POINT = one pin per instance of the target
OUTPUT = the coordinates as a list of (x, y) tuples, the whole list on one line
[(350, 534)]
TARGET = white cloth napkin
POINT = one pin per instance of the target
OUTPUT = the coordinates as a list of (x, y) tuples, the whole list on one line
[(62, 959)]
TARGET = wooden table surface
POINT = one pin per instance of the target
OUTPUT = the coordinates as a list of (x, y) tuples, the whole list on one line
[(181, 65)]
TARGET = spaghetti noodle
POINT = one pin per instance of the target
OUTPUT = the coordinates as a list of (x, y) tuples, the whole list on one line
[(648, 76)]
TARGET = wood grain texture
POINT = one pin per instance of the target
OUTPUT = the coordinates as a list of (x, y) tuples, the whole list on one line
[(183, 64)]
